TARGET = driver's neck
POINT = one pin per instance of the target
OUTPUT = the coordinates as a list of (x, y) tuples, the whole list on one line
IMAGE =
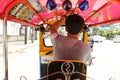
[(75, 36)]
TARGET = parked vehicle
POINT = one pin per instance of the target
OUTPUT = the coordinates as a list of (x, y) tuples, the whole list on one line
[(116, 39), (98, 38)]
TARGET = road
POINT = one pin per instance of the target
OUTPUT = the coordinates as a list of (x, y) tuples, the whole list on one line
[(106, 65), (22, 63)]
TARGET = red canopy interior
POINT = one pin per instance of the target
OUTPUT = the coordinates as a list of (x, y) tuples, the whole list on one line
[(34, 12)]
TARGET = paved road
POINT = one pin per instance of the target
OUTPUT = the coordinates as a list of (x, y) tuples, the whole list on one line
[(24, 62), (14, 47), (106, 64)]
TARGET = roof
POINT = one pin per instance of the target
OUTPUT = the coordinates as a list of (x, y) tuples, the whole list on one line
[(34, 12)]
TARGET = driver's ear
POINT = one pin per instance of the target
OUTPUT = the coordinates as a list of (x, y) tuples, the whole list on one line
[(85, 28), (66, 28), (82, 29)]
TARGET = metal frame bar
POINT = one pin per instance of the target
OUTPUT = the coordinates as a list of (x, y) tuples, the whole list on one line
[(100, 9), (22, 22), (25, 3), (5, 48), (105, 22)]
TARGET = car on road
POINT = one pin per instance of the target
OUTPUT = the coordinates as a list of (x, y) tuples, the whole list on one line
[(116, 39), (98, 38)]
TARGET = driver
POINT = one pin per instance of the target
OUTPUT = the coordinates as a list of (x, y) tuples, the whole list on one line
[(69, 47)]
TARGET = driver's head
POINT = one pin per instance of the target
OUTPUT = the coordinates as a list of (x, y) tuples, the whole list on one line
[(74, 23)]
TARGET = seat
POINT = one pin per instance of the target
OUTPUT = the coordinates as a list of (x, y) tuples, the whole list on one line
[(66, 70)]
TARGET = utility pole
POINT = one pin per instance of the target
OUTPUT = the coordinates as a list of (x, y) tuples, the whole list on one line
[(31, 34), (35, 34), (25, 35)]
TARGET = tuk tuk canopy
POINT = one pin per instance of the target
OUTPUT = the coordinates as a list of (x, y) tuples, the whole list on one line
[(35, 12)]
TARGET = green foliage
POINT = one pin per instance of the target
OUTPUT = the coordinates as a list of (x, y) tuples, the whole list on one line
[(109, 34), (95, 31), (101, 32), (106, 33), (118, 32)]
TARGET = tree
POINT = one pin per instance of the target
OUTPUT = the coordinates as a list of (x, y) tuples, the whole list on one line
[(101, 32), (95, 31), (118, 32), (109, 34)]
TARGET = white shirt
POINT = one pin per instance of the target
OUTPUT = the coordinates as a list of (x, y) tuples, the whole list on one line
[(67, 48)]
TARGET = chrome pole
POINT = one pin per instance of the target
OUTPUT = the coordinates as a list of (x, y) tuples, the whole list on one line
[(5, 49)]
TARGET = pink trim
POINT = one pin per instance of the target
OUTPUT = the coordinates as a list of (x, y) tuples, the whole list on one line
[(104, 12)]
